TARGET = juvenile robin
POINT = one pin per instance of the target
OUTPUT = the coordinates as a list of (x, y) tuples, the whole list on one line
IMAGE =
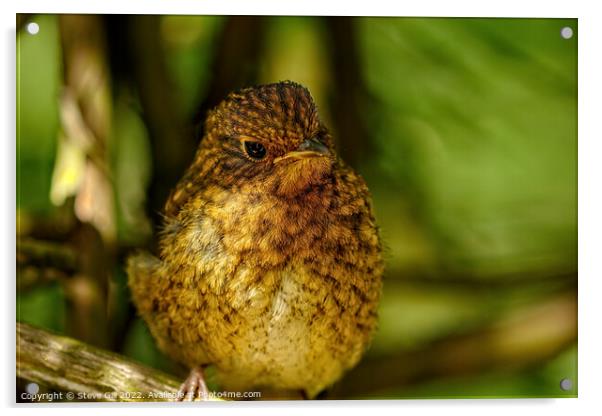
[(269, 266)]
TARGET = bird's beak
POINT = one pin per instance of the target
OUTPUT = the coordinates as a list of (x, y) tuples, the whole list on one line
[(309, 148)]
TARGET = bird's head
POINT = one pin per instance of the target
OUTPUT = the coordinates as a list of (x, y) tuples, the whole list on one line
[(268, 136)]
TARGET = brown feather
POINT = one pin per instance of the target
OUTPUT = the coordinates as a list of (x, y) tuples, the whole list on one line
[(271, 271)]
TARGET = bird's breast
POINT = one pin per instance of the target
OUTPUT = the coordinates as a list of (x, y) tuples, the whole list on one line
[(285, 292)]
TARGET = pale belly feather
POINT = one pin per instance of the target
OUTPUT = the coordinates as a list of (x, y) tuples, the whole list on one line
[(289, 345)]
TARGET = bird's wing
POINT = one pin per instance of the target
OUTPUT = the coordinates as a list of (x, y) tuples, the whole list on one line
[(190, 183)]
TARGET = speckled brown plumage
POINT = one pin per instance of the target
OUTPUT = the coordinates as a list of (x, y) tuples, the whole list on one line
[(268, 269)]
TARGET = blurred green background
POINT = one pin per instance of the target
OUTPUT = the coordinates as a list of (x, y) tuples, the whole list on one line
[(465, 130)]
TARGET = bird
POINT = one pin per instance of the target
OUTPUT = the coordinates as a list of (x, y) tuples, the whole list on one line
[(269, 262)]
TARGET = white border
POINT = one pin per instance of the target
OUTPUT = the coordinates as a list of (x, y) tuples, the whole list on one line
[(590, 202)]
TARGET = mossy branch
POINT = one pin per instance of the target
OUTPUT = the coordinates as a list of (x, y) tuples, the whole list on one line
[(69, 365)]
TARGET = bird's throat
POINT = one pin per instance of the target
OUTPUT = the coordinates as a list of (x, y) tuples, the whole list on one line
[(297, 176)]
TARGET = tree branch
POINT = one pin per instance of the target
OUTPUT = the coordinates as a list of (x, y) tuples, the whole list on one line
[(350, 94), (40, 262), (69, 365)]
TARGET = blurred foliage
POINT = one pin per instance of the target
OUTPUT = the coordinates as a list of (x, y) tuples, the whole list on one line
[(189, 45), (132, 164), (39, 75), (535, 383), (474, 177), (477, 124), (37, 129)]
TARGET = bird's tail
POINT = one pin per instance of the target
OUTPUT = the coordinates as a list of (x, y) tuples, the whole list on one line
[(142, 270)]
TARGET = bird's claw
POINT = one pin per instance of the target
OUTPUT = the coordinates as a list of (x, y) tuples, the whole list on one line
[(194, 387)]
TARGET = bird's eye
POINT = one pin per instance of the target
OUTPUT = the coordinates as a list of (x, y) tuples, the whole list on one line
[(255, 150)]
